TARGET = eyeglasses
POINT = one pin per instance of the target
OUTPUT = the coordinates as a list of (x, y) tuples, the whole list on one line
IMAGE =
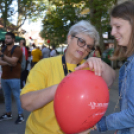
[(82, 43)]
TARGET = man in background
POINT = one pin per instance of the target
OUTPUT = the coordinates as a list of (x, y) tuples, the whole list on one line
[(11, 71), (53, 53), (45, 52), (36, 55)]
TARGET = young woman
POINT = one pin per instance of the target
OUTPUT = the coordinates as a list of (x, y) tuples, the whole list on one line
[(122, 22)]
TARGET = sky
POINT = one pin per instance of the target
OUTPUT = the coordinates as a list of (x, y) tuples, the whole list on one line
[(28, 25), (32, 26)]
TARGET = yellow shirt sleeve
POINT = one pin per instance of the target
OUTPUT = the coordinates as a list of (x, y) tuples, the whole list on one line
[(36, 79)]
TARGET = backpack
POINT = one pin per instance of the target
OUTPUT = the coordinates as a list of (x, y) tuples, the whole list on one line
[(23, 61)]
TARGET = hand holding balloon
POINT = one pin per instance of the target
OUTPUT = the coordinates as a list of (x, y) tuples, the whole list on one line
[(94, 64), (100, 68)]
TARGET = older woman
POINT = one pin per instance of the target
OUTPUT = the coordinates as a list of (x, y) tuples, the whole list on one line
[(38, 94)]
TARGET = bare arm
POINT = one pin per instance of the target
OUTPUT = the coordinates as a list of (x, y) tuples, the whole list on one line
[(37, 99), (3, 63), (15, 57), (100, 68), (10, 60)]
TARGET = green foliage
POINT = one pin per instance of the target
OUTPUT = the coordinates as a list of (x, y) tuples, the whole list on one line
[(60, 16), (99, 15), (6, 10)]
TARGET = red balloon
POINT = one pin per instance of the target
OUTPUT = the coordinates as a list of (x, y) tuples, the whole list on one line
[(80, 101), (48, 41)]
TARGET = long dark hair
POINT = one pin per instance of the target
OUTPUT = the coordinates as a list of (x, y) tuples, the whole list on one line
[(24, 43)]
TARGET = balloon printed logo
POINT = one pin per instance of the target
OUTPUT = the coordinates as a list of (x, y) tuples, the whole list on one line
[(94, 105)]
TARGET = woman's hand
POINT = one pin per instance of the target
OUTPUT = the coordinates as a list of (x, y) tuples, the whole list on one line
[(92, 63), (100, 68)]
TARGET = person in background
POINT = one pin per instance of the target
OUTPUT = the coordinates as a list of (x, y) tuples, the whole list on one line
[(45, 52), (3, 44), (91, 53), (28, 67), (22, 45), (110, 54), (38, 94), (2, 47), (97, 52), (53, 52), (105, 55), (11, 71), (36, 55), (28, 60)]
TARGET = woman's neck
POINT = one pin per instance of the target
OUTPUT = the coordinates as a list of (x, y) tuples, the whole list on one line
[(70, 59)]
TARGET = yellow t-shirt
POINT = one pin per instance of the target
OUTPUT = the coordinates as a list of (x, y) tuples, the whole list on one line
[(36, 54), (47, 72)]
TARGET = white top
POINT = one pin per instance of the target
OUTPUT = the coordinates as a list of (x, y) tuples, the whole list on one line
[(53, 53), (45, 52)]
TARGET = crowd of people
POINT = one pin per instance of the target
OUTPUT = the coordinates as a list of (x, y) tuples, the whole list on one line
[(38, 93)]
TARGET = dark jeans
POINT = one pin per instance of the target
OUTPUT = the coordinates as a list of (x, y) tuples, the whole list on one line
[(23, 78), (11, 86)]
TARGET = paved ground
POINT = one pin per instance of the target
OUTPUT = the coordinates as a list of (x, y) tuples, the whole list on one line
[(9, 127)]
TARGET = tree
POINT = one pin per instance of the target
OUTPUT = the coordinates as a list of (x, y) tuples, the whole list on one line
[(24, 9), (99, 15), (29, 9), (6, 11), (60, 16), (63, 14)]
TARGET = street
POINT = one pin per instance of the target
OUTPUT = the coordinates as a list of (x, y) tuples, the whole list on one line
[(9, 127)]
